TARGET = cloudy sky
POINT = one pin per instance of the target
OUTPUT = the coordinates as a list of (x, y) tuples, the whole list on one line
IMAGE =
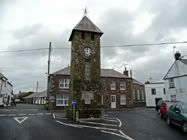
[(31, 24)]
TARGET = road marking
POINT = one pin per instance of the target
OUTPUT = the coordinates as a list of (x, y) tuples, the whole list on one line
[(47, 113), (12, 115), (110, 120), (61, 118), (80, 126), (53, 115), (98, 123), (72, 125), (120, 123), (31, 114), (39, 113), (1, 115), (127, 137), (20, 119), (22, 114)]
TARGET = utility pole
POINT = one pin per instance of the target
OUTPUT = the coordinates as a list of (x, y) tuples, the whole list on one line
[(48, 72), (37, 87)]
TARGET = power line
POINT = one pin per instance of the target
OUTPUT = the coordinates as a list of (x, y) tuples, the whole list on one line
[(103, 46)]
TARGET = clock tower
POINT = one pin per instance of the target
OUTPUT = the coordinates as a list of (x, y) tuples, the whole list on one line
[(85, 88)]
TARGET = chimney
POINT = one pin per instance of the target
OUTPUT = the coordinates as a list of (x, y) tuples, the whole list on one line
[(177, 56), (126, 72)]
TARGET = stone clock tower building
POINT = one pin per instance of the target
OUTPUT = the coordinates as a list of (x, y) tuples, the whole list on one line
[(85, 85)]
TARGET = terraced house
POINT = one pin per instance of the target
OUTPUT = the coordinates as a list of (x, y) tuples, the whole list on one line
[(117, 90)]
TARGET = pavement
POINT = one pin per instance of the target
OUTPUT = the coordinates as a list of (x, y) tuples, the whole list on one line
[(32, 122)]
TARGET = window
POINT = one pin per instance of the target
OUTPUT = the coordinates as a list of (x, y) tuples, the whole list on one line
[(171, 83), (122, 84), (138, 94), (122, 99), (134, 95), (164, 90), (92, 36), (82, 35), (62, 100), (173, 97), (153, 91), (143, 95), (64, 83), (87, 71), (113, 85)]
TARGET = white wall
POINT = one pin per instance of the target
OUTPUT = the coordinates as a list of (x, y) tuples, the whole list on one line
[(150, 99), (6, 90), (180, 90)]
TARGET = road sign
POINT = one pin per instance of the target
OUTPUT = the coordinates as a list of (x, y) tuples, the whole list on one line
[(20, 119), (74, 102)]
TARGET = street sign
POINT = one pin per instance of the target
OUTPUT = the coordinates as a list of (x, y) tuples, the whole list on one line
[(74, 102)]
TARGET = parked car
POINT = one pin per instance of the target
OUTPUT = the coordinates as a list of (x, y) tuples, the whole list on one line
[(177, 115)]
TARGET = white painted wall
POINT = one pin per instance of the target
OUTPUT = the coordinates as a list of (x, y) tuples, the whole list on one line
[(6, 92), (180, 90), (150, 99)]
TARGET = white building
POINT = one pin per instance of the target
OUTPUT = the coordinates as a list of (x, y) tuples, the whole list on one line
[(6, 91), (154, 91), (176, 80), (36, 98)]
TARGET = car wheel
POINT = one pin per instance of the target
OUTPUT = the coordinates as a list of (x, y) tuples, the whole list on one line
[(168, 121), (184, 127)]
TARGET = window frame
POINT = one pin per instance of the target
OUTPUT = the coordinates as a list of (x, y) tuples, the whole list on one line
[(113, 85), (64, 83), (64, 99), (171, 83), (153, 89), (123, 100), (122, 85)]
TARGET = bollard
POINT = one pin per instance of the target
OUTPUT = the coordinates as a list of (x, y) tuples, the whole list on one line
[(77, 116)]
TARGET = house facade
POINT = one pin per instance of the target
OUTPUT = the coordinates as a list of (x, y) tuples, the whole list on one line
[(6, 91), (116, 89), (154, 92), (176, 79)]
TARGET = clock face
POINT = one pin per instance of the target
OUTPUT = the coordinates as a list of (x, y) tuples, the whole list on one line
[(87, 51)]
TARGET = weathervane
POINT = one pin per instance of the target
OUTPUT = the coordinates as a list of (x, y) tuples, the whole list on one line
[(85, 11)]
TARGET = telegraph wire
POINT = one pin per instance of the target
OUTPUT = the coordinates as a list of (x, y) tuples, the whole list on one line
[(102, 46)]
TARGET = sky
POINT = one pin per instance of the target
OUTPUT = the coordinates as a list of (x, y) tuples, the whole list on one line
[(32, 24)]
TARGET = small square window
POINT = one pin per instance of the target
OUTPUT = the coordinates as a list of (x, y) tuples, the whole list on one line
[(153, 91)]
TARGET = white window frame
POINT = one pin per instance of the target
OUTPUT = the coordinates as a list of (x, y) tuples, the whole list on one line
[(113, 85), (171, 83), (122, 85), (64, 83), (62, 98), (123, 100)]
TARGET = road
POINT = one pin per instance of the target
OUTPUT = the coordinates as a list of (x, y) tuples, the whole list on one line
[(32, 122)]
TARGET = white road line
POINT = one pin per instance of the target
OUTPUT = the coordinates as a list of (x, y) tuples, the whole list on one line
[(39, 113), (22, 119), (1, 115), (68, 124), (31, 114), (108, 132), (47, 113), (110, 120), (120, 123), (61, 118), (53, 115), (81, 126), (127, 137), (98, 123), (12, 115), (22, 114)]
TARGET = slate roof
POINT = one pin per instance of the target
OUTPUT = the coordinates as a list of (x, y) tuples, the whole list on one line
[(2, 76), (184, 61), (104, 73), (85, 25), (39, 94), (137, 82)]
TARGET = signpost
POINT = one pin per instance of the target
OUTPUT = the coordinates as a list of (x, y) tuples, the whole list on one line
[(74, 103)]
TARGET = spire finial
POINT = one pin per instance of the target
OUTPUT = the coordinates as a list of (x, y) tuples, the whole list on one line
[(85, 11)]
